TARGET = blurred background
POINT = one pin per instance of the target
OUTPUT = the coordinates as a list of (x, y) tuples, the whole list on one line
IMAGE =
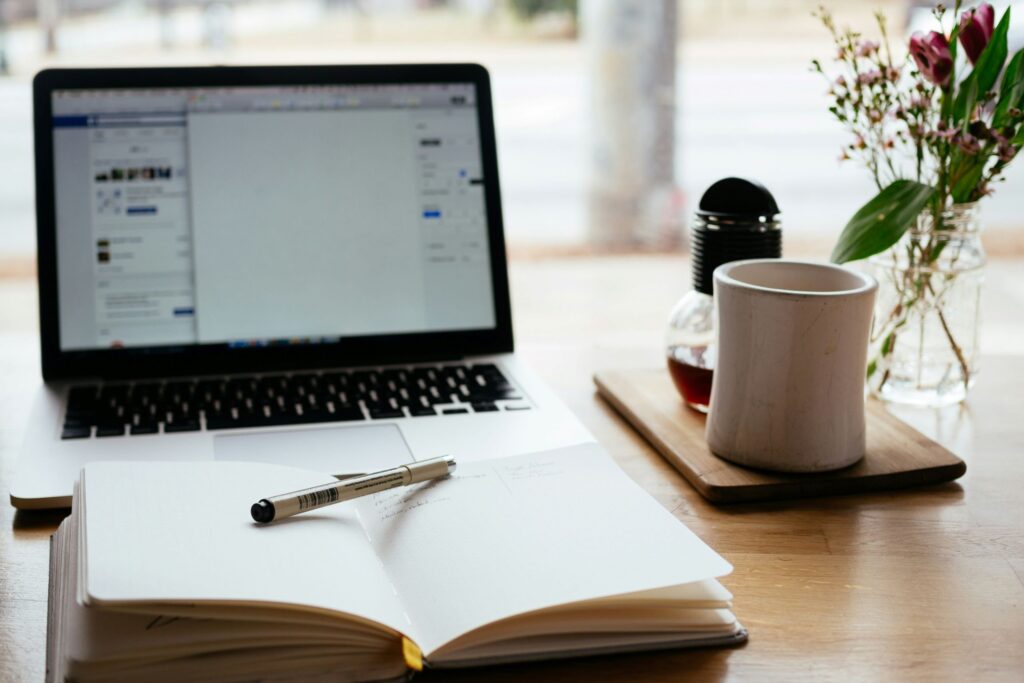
[(612, 115)]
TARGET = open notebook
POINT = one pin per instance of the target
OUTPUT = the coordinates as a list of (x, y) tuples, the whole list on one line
[(160, 573)]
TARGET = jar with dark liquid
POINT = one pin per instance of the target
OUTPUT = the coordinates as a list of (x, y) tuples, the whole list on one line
[(691, 348), (736, 220)]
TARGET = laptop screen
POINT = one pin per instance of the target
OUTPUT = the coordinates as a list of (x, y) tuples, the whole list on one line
[(264, 216)]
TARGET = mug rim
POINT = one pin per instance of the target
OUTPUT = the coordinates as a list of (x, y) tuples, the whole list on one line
[(722, 276)]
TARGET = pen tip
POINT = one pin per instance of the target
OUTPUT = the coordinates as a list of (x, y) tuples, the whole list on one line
[(262, 511)]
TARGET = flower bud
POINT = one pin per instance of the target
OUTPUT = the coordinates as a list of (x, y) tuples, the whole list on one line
[(976, 30), (979, 130)]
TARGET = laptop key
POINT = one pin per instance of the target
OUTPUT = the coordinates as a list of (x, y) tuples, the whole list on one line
[(421, 411), (76, 433), (110, 430), (454, 411), (344, 414), (221, 421), (183, 426), (226, 421), (368, 378), (484, 407), (79, 419), (385, 413), (147, 428)]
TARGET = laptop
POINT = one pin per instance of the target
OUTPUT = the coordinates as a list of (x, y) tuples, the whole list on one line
[(296, 265)]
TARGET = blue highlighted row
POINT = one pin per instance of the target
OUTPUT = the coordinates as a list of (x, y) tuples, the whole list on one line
[(141, 210), (120, 120), (70, 121), (431, 214), (183, 312)]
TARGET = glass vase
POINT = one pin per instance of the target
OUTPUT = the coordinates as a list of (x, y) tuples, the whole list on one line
[(924, 338)]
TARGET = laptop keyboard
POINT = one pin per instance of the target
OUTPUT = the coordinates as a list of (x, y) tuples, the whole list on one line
[(108, 410)]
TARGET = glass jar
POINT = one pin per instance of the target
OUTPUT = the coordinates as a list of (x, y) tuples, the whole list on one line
[(690, 344), (735, 220), (924, 339)]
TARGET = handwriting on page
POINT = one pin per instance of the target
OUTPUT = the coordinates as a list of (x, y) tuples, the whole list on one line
[(533, 469), (396, 502)]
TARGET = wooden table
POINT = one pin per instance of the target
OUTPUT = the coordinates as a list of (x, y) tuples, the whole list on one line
[(925, 584)]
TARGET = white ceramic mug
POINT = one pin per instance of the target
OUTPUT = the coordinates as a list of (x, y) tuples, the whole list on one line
[(788, 388)]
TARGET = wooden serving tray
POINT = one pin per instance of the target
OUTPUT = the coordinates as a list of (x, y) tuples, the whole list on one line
[(897, 455)]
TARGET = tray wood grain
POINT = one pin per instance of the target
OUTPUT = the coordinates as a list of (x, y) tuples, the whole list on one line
[(897, 455)]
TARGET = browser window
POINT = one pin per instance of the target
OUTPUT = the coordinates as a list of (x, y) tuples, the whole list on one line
[(254, 216)]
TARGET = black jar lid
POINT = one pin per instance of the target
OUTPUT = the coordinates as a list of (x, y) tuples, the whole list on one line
[(738, 199), (735, 221)]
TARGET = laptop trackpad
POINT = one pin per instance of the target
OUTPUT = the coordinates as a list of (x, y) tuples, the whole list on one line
[(331, 450)]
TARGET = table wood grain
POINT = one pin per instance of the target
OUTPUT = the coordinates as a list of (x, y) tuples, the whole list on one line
[(925, 584)]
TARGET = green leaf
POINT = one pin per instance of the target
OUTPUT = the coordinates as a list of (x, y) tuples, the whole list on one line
[(968, 181), (1018, 139), (1011, 90), (966, 98), (985, 72), (993, 57), (882, 221), (888, 343), (947, 98)]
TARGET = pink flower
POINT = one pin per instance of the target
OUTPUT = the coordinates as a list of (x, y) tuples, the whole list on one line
[(931, 53), (866, 48), (976, 30), (969, 144), (870, 77), (944, 132)]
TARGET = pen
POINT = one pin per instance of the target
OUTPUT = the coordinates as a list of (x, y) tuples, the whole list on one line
[(287, 504)]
